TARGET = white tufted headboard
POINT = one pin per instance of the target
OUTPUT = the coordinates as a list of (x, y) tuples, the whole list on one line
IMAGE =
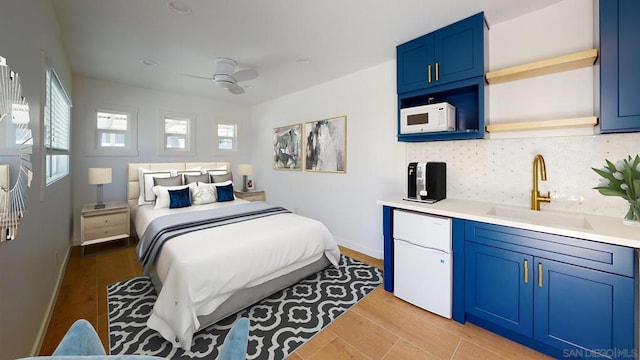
[(133, 184)]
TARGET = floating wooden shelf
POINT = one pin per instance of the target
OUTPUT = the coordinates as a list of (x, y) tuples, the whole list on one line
[(543, 67), (544, 124)]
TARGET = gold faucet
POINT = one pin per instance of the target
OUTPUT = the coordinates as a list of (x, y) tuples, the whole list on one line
[(536, 198)]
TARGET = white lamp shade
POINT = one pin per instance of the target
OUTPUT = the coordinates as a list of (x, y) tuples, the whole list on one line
[(245, 169), (99, 175)]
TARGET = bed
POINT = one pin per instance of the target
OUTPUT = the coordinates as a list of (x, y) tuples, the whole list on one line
[(239, 252)]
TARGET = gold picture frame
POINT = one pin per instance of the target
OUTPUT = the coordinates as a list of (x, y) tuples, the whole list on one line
[(326, 145), (287, 147)]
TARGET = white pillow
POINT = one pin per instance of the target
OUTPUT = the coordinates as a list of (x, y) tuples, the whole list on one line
[(163, 200), (203, 193), (146, 194)]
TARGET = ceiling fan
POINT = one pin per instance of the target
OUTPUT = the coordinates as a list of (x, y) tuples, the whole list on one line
[(224, 76)]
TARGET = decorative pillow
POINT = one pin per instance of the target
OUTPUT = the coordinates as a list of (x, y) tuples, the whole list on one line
[(192, 172), (145, 181), (179, 198), (224, 193), (162, 192), (218, 178), (204, 193), (167, 181), (203, 178)]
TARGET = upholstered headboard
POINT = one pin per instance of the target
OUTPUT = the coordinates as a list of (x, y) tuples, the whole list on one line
[(133, 184)]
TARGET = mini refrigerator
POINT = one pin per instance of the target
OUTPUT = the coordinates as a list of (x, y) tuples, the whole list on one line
[(422, 261)]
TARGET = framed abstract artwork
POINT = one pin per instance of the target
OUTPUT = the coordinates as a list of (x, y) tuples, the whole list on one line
[(326, 145), (287, 147)]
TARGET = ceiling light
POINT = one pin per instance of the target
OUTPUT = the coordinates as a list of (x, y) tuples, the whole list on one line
[(179, 7), (304, 60), (149, 62)]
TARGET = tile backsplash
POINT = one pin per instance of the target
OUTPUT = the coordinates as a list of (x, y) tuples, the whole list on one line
[(501, 171)]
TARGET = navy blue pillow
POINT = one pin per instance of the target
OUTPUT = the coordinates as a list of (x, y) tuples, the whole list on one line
[(179, 198), (225, 193)]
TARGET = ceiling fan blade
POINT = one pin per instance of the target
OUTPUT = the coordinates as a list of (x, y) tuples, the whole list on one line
[(197, 77), (235, 89), (245, 75)]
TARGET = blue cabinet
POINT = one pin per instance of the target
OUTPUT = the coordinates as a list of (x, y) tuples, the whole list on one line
[(619, 72), (455, 52), (447, 65), (498, 287), (560, 295), (576, 308)]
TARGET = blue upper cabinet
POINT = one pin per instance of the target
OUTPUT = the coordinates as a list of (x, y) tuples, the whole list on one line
[(453, 53), (447, 65), (619, 70)]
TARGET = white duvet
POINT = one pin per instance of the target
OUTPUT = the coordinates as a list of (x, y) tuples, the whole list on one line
[(202, 269)]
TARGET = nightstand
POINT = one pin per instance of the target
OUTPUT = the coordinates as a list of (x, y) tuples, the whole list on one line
[(102, 225), (251, 195)]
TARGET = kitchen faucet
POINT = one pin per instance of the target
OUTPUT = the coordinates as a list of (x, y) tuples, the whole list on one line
[(536, 198)]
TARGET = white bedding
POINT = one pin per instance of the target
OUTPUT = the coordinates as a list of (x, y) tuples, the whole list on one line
[(202, 269)]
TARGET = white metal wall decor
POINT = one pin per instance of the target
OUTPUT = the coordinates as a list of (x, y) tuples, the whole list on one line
[(15, 152)]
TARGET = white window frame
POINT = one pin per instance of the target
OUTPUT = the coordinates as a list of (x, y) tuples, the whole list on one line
[(57, 162), (235, 148), (190, 138), (93, 134)]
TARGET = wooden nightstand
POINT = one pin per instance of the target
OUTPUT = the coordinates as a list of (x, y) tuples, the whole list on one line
[(251, 195), (107, 224)]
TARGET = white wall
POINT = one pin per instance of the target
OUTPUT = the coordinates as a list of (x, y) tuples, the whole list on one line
[(150, 105), (485, 170), (345, 203), (31, 264)]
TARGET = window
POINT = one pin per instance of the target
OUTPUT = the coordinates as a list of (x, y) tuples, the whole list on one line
[(227, 137), (177, 134), (57, 129), (112, 130)]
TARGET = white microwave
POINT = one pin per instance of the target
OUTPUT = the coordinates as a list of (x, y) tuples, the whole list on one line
[(428, 118)]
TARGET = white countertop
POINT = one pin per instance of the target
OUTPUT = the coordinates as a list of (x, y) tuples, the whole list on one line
[(604, 229)]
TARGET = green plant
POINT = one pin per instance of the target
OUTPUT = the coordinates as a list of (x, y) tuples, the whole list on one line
[(622, 179)]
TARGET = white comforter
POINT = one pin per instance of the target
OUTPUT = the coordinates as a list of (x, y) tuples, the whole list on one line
[(202, 269)]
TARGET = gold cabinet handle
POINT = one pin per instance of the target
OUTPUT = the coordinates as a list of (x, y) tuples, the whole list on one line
[(437, 71), (539, 274), (429, 72), (526, 271)]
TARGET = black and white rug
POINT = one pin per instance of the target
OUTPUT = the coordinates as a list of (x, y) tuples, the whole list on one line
[(278, 324)]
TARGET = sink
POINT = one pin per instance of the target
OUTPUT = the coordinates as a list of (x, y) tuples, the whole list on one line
[(546, 218)]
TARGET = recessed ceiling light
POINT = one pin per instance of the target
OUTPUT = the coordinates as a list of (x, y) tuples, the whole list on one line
[(304, 60), (179, 7), (149, 62)]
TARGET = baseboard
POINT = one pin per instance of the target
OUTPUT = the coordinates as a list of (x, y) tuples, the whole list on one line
[(359, 248), (52, 303)]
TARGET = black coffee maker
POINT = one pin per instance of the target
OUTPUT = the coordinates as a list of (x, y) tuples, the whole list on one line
[(427, 181)]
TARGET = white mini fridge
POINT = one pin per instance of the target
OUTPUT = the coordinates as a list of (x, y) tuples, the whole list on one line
[(422, 261)]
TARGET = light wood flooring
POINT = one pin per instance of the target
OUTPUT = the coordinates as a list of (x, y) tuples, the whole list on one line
[(379, 327)]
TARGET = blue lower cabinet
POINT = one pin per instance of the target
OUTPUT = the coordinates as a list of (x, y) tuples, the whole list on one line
[(583, 312), (534, 288), (498, 287)]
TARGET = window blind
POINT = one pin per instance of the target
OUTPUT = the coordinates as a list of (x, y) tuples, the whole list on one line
[(57, 129)]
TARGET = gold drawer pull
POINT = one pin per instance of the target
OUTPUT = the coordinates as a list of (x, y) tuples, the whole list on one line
[(526, 271), (539, 274), (437, 72), (429, 72)]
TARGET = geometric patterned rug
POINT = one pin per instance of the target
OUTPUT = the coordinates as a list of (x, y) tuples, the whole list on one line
[(279, 324)]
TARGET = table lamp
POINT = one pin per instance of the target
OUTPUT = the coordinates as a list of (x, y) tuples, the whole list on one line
[(99, 176), (245, 170)]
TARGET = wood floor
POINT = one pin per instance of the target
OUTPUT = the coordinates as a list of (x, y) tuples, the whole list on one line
[(379, 327)]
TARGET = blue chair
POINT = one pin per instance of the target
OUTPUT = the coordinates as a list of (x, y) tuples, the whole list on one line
[(81, 342)]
